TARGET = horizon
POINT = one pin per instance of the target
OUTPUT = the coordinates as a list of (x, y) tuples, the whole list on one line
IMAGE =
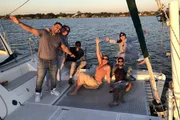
[(72, 6)]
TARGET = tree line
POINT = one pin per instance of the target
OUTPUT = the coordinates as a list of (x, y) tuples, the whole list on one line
[(79, 14)]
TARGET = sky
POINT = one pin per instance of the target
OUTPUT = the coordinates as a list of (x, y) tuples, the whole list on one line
[(72, 6)]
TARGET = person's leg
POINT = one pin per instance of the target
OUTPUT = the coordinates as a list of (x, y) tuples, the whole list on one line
[(81, 65), (41, 72), (61, 60), (53, 73), (115, 101), (125, 91), (78, 86), (47, 82), (87, 81), (73, 67)]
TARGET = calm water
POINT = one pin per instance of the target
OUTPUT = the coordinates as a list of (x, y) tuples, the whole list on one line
[(87, 29)]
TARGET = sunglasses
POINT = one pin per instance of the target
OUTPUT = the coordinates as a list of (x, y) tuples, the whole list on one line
[(78, 45), (120, 61), (64, 30), (105, 58)]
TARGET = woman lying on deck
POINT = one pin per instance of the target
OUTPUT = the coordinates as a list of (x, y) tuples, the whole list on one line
[(93, 82)]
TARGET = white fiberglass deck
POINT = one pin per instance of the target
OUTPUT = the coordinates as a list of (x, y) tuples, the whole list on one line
[(87, 105), (47, 112)]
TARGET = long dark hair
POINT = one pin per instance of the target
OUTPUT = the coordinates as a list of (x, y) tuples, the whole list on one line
[(121, 34)]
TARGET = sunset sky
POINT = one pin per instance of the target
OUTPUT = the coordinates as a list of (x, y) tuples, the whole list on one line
[(72, 6)]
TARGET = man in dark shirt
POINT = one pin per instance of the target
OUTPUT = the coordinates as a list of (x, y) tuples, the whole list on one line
[(73, 61), (49, 42), (120, 82)]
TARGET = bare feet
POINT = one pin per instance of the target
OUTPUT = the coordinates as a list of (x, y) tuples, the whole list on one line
[(72, 93)]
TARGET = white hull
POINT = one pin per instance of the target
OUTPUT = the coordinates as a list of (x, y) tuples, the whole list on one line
[(24, 94)]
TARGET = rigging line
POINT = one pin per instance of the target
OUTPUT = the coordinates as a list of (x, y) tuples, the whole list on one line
[(18, 7), (161, 49), (161, 8), (159, 4), (168, 20), (15, 9), (175, 71), (175, 50), (176, 104), (12, 12), (174, 34)]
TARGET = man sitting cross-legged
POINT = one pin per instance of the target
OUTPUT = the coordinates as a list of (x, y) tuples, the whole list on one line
[(102, 70), (120, 82)]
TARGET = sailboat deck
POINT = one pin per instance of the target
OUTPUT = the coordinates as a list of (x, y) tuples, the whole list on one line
[(47, 112), (136, 102), (87, 105)]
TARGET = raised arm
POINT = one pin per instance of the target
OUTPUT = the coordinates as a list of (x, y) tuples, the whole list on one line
[(98, 52), (111, 41), (108, 69), (65, 49), (24, 26)]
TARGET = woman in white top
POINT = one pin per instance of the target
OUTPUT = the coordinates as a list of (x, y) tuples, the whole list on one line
[(122, 44)]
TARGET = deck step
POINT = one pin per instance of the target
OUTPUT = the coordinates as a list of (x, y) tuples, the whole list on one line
[(20, 80)]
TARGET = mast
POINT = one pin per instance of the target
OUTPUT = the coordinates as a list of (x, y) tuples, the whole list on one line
[(137, 24), (175, 53)]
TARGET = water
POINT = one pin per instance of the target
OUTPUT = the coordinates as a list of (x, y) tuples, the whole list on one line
[(87, 29)]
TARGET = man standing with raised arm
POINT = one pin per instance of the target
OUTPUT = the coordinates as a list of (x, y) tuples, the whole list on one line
[(47, 54)]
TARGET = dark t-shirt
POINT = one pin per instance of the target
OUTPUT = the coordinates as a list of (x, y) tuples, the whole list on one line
[(48, 45), (78, 54), (120, 74)]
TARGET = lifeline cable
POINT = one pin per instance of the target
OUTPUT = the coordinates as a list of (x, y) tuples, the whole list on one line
[(15, 9), (12, 12)]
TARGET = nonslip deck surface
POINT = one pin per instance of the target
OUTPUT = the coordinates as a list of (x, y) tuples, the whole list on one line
[(99, 99)]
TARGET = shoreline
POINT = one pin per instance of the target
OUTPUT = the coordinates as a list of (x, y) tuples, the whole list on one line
[(79, 15)]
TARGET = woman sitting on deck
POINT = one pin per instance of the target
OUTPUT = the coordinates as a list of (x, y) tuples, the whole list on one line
[(103, 69)]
